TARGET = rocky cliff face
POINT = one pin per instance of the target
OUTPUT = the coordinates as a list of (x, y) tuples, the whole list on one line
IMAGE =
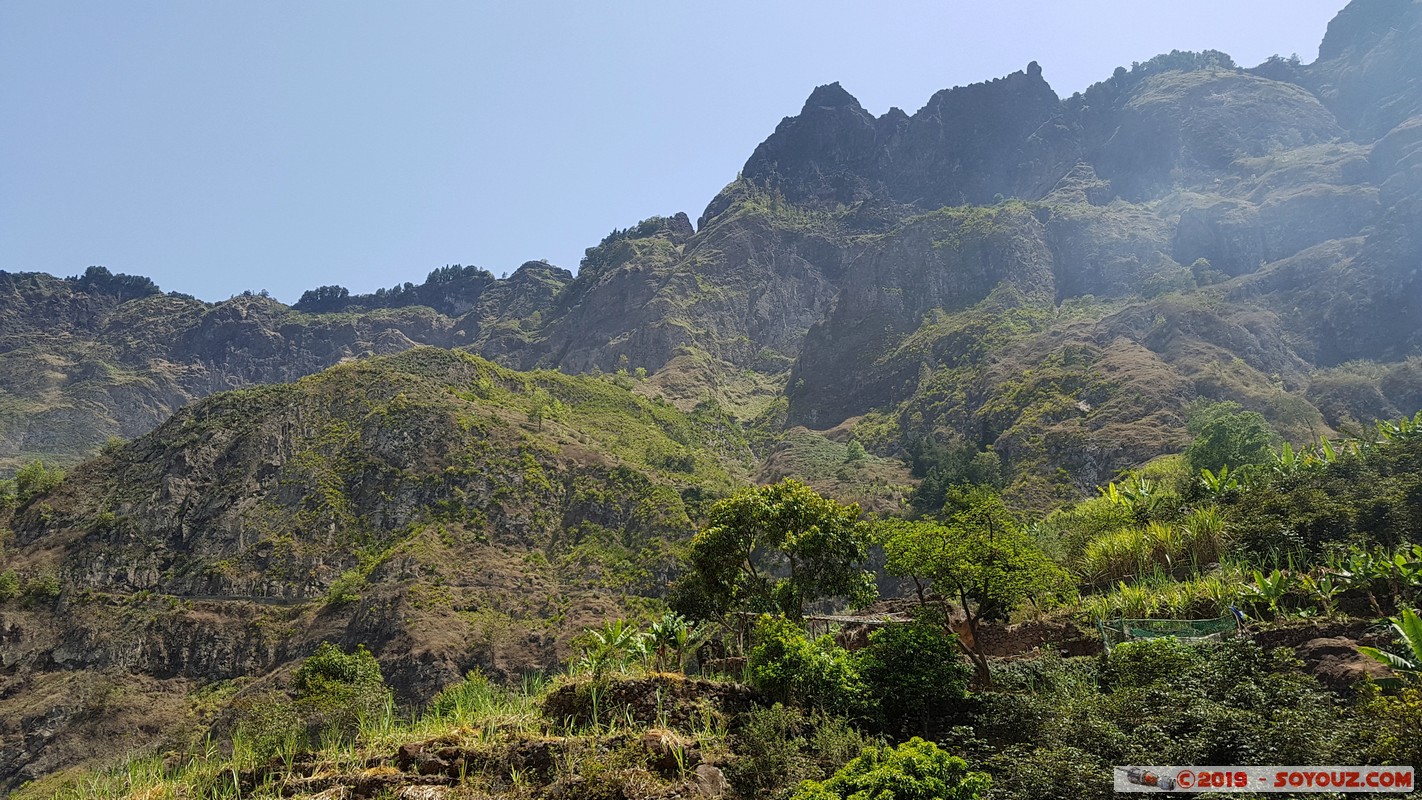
[(1008, 136), (84, 359), (1285, 189)]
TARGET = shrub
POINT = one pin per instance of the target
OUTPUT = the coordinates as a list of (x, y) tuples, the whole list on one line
[(771, 752), (913, 673), (778, 747), (34, 479), (1226, 434), (267, 724), (335, 690), (42, 587), (1142, 663), (1390, 737), (915, 770), (789, 667), (9, 585)]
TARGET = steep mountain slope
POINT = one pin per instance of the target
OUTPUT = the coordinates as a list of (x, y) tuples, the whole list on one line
[(443, 511), (1259, 219)]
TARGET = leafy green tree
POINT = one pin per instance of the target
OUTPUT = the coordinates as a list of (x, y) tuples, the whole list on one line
[(1224, 434), (980, 558), (913, 673), (787, 666), (854, 451), (949, 467), (915, 770), (773, 549)]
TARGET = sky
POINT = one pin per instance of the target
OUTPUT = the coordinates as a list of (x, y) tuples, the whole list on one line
[(221, 146)]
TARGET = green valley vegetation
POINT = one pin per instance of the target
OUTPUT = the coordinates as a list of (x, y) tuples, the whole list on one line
[(743, 696)]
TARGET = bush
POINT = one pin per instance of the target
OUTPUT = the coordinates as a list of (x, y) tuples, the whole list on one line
[(267, 724), (915, 770), (771, 752), (1227, 435), (42, 587), (335, 690), (1135, 665), (1390, 737), (9, 585), (787, 666), (914, 674), (778, 747), (34, 479)]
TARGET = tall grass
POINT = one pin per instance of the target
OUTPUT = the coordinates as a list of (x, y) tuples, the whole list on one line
[(1135, 551), (1157, 594), (474, 711)]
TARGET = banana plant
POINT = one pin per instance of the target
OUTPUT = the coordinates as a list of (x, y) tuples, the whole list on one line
[(1325, 588), (1286, 462), (1408, 627), (1221, 483), (1405, 428), (1403, 573), (1326, 447), (617, 644), (1271, 589), (1359, 571), (672, 641)]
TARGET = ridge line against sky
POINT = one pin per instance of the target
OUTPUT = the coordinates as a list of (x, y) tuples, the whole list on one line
[(219, 147)]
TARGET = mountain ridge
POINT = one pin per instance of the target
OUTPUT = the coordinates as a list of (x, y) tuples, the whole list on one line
[(733, 304)]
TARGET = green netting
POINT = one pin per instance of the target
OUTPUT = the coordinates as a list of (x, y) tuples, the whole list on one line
[(1116, 631)]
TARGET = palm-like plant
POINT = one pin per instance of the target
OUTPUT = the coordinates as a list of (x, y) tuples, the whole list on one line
[(672, 641), (1405, 428), (1220, 483), (1325, 587), (616, 644), (1271, 588), (1408, 627)]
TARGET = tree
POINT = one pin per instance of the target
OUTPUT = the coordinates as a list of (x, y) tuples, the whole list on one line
[(323, 299), (912, 670), (854, 451), (787, 666), (1226, 434), (335, 690), (544, 407), (980, 558), (774, 549)]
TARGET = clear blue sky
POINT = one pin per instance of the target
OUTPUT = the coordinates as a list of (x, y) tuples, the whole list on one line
[(222, 146)]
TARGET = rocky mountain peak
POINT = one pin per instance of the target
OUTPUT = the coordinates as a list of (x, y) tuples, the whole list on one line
[(830, 95), (967, 144), (539, 270)]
